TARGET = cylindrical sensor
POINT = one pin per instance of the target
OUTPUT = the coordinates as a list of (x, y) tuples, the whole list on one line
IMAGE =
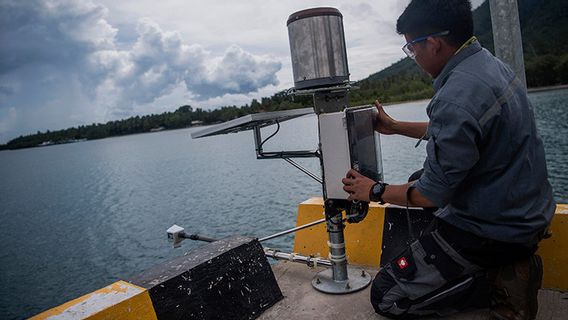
[(317, 46)]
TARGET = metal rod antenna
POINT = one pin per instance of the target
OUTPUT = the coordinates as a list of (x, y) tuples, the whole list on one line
[(304, 170), (292, 230), (281, 233)]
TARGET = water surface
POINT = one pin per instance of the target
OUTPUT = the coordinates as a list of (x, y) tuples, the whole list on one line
[(80, 216)]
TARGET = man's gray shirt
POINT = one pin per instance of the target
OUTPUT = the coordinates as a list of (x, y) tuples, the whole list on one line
[(485, 166)]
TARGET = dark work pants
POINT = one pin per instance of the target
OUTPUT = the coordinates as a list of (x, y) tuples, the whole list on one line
[(445, 271), (486, 253)]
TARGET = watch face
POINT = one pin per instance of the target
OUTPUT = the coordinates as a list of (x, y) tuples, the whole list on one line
[(377, 191)]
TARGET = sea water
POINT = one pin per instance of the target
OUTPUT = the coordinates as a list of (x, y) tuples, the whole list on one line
[(77, 217)]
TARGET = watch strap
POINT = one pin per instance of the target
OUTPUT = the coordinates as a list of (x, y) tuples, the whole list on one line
[(378, 196)]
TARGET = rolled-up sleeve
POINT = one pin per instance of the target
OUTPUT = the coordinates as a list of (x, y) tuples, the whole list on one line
[(451, 151)]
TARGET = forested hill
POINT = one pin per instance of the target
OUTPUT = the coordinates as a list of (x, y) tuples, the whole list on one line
[(544, 26)]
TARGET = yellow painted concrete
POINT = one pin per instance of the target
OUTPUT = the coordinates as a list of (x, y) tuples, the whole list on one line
[(363, 240), (138, 307), (554, 251), (123, 300), (120, 300)]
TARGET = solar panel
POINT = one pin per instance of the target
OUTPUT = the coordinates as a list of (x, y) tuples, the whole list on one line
[(250, 121)]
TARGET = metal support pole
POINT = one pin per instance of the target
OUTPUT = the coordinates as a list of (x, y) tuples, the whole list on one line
[(257, 140), (507, 35), (339, 279), (304, 170), (336, 242)]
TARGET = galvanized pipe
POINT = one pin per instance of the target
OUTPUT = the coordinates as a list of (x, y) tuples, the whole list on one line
[(309, 261), (276, 254), (336, 242)]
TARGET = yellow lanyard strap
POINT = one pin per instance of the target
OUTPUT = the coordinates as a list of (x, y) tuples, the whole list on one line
[(467, 43)]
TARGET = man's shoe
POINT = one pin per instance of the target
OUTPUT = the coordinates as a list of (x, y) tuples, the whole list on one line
[(516, 288)]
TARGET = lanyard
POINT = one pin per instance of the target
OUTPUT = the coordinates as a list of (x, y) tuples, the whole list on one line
[(466, 44)]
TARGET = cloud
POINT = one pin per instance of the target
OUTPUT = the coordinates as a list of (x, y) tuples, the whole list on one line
[(51, 32), (61, 59), (236, 73), (149, 69), (159, 60), (5, 90), (7, 116)]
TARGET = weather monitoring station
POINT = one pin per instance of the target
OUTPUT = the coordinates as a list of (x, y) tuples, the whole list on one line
[(347, 139), (339, 244)]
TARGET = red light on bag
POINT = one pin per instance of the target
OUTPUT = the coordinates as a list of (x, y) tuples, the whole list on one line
[(402, 263)]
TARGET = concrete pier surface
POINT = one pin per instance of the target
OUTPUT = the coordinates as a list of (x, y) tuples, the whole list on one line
[(302, 301)]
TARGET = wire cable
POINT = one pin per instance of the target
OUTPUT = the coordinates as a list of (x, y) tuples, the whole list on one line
[(270, 136)]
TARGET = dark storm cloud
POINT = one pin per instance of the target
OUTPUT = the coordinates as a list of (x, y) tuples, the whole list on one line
[(61, 58)]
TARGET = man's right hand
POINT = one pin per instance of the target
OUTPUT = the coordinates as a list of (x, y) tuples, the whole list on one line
[(383, 122)]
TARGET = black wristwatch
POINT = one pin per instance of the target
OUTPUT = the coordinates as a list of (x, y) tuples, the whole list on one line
[(376, 193)]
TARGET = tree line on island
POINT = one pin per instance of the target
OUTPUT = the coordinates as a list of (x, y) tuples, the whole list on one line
[(543, 25), (407, 86)]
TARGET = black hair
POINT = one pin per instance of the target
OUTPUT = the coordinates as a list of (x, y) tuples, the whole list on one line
[(423, 17)]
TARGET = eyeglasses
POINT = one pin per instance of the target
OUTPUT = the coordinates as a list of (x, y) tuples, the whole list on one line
[(407, 48)]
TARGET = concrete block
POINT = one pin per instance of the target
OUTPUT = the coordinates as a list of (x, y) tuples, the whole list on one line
[(226, 279)]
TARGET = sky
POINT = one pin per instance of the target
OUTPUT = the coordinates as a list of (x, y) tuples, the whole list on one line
[(66, 63)]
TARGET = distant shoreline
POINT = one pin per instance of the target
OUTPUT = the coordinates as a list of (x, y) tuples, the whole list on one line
[(549, 88), (388, 104), (529, 90)]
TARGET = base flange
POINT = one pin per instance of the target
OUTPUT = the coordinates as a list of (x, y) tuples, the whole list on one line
[(357, 280)]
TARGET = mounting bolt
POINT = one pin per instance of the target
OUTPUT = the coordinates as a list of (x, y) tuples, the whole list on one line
[(347, 286), (318, 281), (363, 273)]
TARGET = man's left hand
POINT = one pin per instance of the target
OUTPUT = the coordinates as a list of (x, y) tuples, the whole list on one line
[(357, 185)]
